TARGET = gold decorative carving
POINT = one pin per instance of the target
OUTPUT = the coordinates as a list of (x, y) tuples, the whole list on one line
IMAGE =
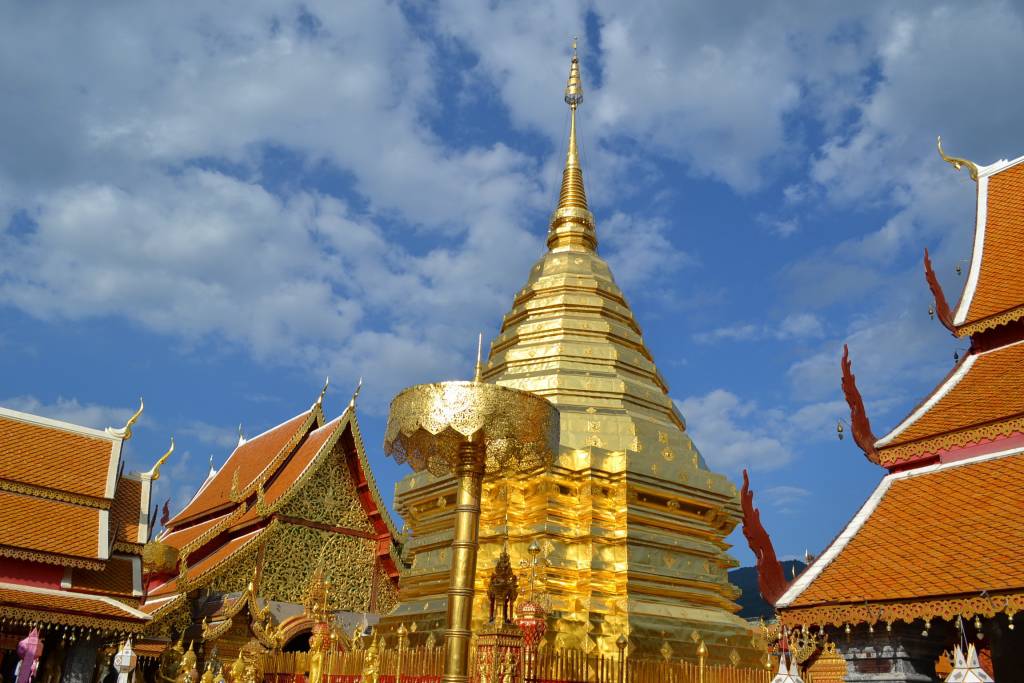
[(964, 437), (349, 562), (872, 613), (54, 494), (47, 558), (331, 499)]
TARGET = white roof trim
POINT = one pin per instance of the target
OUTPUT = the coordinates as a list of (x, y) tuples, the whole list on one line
[(997, 166), (937, 396), (70, 594), (56, 424), (979, 246), (855, 524), (103, 542)]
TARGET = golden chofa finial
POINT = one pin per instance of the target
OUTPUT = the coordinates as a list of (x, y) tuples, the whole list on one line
[(154, 473), (957, 162), (125, 432), (572, 224)]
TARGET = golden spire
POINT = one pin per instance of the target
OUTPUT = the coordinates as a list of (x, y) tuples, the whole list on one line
[(572, 224)]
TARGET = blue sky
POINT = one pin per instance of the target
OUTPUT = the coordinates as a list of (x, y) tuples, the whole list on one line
[(217, 206)]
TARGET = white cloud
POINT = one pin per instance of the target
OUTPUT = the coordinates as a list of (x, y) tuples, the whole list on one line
[(793, 326), (640, 249), (732, 434)]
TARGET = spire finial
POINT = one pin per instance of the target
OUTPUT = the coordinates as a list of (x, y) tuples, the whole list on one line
[(479, 357), (572, 224)]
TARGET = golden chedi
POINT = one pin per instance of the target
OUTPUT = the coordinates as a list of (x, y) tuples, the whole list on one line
[(630, 519)]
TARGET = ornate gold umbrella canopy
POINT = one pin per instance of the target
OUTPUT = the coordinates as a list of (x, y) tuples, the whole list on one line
[(430, 424), (469, 429)]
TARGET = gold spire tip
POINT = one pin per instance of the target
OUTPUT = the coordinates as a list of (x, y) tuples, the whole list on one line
[(572, 224), (479, 357)]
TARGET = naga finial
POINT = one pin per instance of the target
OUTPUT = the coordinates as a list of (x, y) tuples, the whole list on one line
[(154, 473), (355, 394), (957, 162), (125, 432), (323, 392)]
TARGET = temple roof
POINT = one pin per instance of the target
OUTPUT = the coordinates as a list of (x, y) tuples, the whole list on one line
[(979, 400), (62, 497), (927, 542), (994, 291), (72, 527), (69, 607), (253, 460), (58, 456), (230, 514)]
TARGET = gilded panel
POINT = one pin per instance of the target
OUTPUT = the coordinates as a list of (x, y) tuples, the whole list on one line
[(330, 497)]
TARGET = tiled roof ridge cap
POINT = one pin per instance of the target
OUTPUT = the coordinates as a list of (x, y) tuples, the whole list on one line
[(857, 522)]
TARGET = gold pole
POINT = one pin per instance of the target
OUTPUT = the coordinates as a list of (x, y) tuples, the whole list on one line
[(470, 471), (401, 650), (702, 652)]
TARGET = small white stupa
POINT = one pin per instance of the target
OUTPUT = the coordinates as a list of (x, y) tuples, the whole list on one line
[(967, 669), (791, 674)]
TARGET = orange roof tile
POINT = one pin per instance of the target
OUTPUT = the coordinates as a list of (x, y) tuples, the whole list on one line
[(49, 526), (57, 601), (301, 460), (179, 539), (981, 391), (117, 578), (249, 460), (222, 554), (44, 455), (126, 512), (999, 286), (936, 531)]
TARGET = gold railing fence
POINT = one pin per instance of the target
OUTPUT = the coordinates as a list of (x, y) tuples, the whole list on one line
[(426, 664)]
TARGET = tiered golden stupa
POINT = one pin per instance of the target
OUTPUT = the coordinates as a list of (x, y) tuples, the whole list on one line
[(631, 521)]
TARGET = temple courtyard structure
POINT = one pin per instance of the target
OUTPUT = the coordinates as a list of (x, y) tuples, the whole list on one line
[(560, 523)]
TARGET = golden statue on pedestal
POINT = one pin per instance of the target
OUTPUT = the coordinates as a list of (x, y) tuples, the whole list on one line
[(371, 663)]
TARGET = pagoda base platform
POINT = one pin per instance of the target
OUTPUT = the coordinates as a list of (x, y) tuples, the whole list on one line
[(897, 656)]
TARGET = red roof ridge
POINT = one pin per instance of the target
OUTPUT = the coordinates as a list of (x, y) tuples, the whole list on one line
[(314, 415)]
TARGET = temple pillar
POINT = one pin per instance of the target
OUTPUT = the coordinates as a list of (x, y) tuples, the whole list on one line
[(899, 655)]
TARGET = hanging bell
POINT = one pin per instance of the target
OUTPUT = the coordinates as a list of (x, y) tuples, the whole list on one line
[(956, 357), (959, 270), (839, 429), (931, 312), (847, 629)]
